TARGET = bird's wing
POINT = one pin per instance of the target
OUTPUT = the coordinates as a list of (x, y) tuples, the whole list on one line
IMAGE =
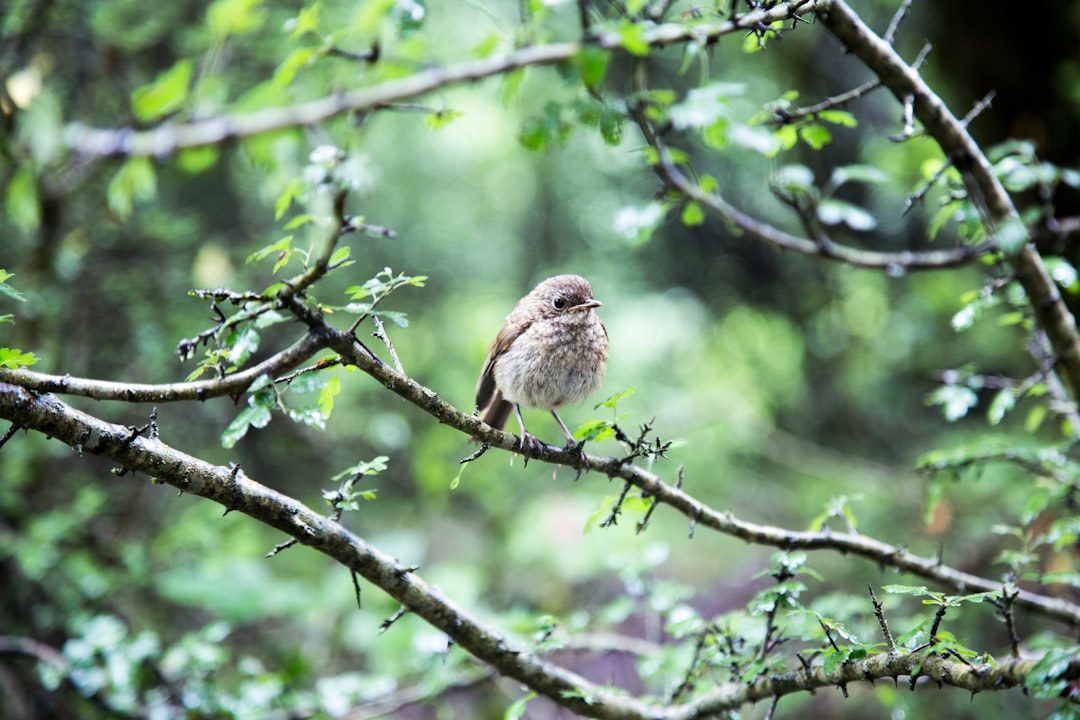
[(487, 394)]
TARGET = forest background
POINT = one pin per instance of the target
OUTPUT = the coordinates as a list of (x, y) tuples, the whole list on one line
[(833, 397)]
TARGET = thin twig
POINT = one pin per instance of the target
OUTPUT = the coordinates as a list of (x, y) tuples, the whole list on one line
[(380, 333), (978, 108), (8, 435), (894, 24), (880, 615)]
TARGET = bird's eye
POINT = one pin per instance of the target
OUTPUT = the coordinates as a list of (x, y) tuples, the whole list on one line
[(559, 303)]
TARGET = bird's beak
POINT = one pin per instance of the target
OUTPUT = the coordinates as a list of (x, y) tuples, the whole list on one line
[(588, 304)]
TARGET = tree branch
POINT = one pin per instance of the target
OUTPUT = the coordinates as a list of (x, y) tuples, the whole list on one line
[(820, 246), (229, 385), (170, 138), (883, 553), (951, 134), (234, 490)]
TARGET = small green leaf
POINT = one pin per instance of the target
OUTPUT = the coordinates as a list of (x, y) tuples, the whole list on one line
[(1002, 403), (242, 343), (257, 416), (228, 17), (955, 400), (327, 395), (22, 202), (487, 46), (704, 106), (297, 59), (13, 358), (633, 38), (593, 430), (857, 173), (636, 223), (165, 94), (280, 246), (757, 139), (614, 399), (693, 214), (196, 160), (136, 180), (292, 190), (442, 118), (306, 21), (592, 63), (794, 178), (816, 136), (1011, 236), (833, 212), (516, 711), (8, 291), (838, 117), (916, 590), (787, 135)]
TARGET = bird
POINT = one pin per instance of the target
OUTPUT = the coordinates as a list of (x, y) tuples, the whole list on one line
[(551, 351)]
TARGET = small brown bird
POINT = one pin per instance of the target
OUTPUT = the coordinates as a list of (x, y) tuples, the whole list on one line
[(551, 351)]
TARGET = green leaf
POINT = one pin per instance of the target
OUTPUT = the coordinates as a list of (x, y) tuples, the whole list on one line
[(614, 399), (594, 430), (704, 106), (693, 214), (787, 135), (636, 223), (633, 38), (165, 94), (838, 117), (757, 139), (228, 17), (510, 83), (22, 202), (1063, 272), (257, 416), (306, 21), (442, 118), (916, 590), (816, 136), (365, 467), (297, 59), (136, 180), (487, 46), (833, 212), (1011, 236), (592, 63), (955, 401), (857, 173), (292, 191), (13, 358), (196, 160), (241, 344), (8, 291), (327, 395), (1002, 403), (280, 246), (516, 711), (794, 178)]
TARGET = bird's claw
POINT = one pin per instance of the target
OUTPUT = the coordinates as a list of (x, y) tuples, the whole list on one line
[(529, 446), (578, 448)]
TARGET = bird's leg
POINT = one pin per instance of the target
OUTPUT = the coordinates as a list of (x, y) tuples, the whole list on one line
[(528, 444), (573, 445)]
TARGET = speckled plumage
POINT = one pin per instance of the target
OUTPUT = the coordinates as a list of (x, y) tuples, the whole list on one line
[(552, 351)]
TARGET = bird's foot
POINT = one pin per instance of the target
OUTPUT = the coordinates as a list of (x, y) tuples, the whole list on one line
[(578, 448), (529, 446)]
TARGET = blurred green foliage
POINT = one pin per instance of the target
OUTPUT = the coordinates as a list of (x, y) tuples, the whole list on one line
[(796, 392)]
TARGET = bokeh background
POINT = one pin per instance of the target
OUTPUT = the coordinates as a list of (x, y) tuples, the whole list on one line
[(786, 383)]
